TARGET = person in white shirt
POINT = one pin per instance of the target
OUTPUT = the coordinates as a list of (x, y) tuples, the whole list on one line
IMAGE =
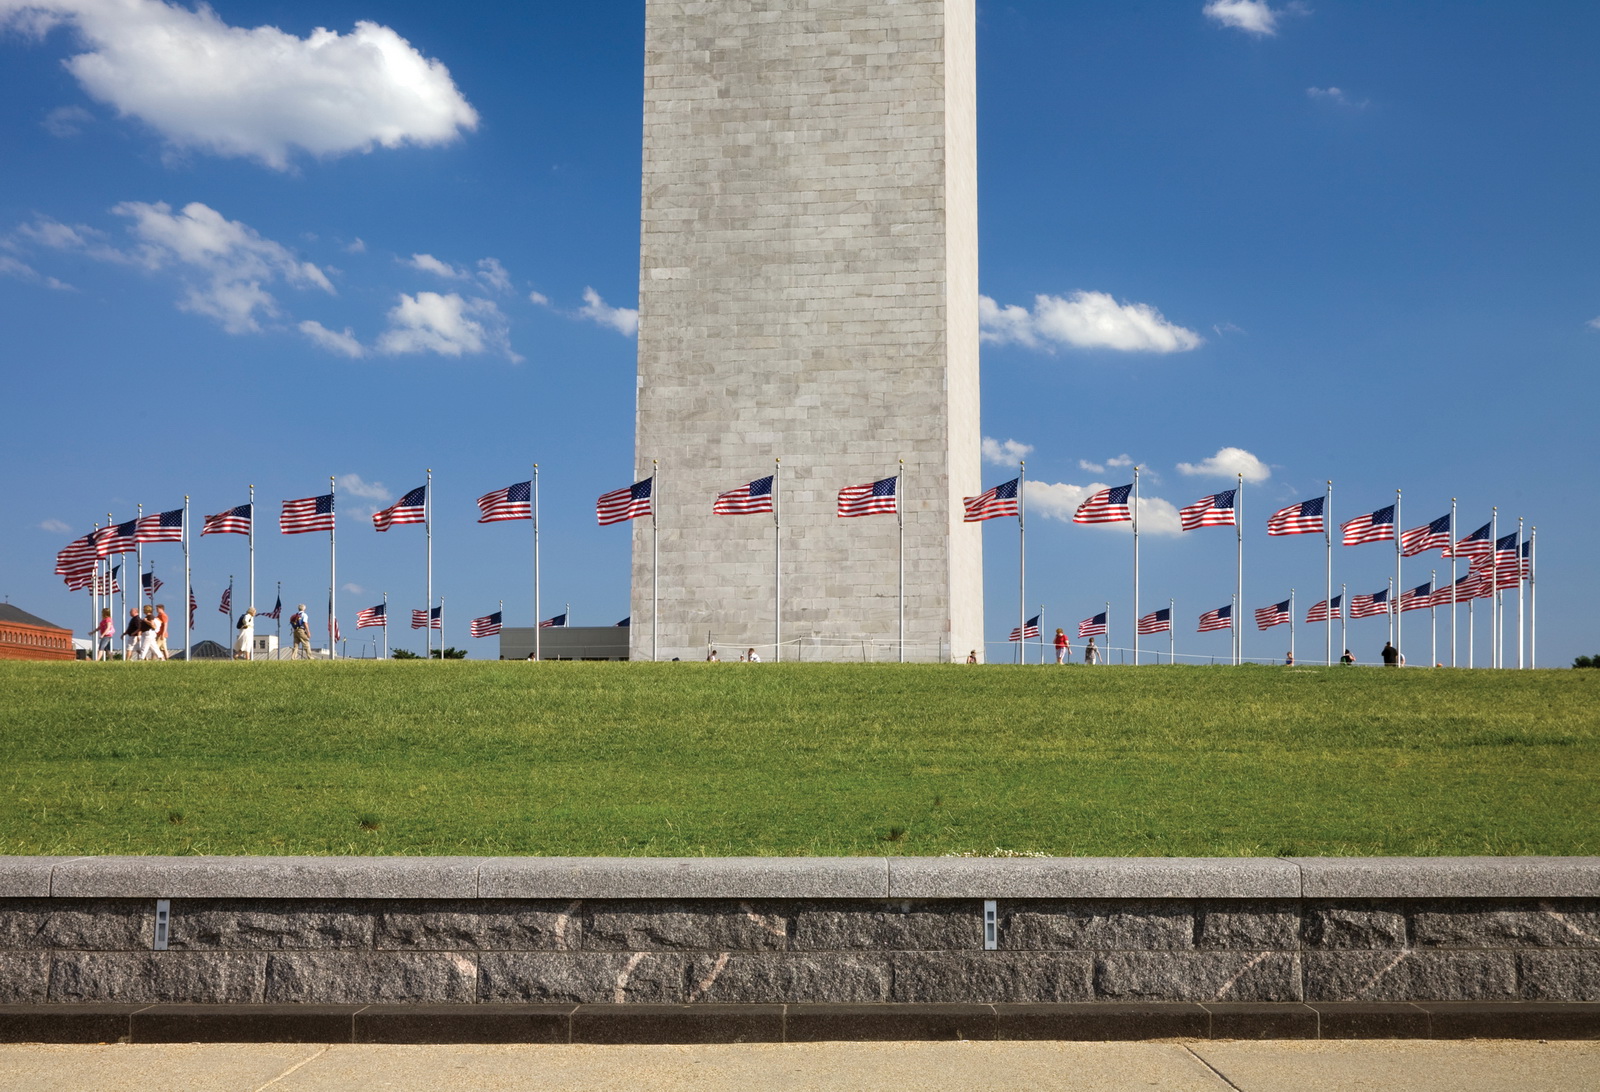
[(751, 657)]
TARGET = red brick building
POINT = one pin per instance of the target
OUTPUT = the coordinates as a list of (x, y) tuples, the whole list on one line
[(24, 636)]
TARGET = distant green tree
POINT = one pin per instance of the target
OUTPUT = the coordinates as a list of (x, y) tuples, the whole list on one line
[(405, 654), (1586, 661), (450, 654)]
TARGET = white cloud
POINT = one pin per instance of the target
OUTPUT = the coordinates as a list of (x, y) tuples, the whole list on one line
[(494, 275), (1337, 97), (357, 246), (1251, 16), (1059, 500), (259, 93), (427, 263), (346, 343), (1595, 322), (66, 121), (1100, 468), (1229, 462), (233, 261), (1084, 320), (540, 298), (354, 589), (1009, 453), (446, 324), (55, 526), (16, 267), (354, 485), (624, 320)]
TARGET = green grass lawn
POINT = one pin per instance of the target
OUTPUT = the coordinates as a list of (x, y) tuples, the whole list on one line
[(825, 759)]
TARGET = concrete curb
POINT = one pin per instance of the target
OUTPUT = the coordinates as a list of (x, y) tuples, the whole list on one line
[(798, 877), (639, 1024)]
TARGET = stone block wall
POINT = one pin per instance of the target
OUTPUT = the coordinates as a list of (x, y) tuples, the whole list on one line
[(366, 932)]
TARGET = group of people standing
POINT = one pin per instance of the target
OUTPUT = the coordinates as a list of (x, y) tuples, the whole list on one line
[(1091, 651), (144, 637), (299, 625)]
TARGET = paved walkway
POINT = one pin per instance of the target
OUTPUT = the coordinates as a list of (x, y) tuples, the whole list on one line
[(1407, 1066)]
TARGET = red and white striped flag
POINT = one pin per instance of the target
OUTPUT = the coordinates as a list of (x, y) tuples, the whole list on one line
[(625, 504), (307, 514), (1157, 621), (1430, 536), (116, 539), (487, 626), (411, 508), (1106, 506), (748, 500), (75, 563), (235, 521), (161, 527), (1321, 612), (423, 619), (226, 606), (1368, 606), (373, 616), (1475, 545), (1216, 510), (1093, 627), (1373, 527), (1418, 598), (1221, 618), (1028, 631), (1305, 518), (512, 502), (1275, 615), (1002, 500), (873, 499)]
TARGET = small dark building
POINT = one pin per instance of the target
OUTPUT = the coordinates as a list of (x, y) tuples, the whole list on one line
[(25, 636)]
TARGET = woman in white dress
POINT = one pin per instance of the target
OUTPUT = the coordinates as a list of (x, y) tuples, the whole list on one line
[(247, 632)]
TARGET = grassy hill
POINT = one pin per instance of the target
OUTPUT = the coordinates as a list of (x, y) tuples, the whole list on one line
[(726, 759)]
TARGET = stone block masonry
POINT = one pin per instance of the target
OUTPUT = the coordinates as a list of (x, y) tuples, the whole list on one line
[(501, 931), (808, 292)]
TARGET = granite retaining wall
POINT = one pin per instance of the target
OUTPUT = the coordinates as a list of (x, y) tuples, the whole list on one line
[(796, 931)]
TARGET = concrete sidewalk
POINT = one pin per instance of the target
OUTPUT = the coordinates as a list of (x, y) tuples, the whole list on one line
[(1280, 1066)]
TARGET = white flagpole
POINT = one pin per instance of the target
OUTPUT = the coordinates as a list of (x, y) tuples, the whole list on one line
[(1394, 612), (1041, 608), (1533, 598), (233, 635), (1494, 587), (900, 520), (1453, 581), (252, 555), (385, 625), (1327, 541), (536, 618), (1344, 617), (441, 629), (1521, 646), (1433, 618), (1172, 629), (1238, 585), (333, 565), (1022, 566), (1291, 623), (1135, 567), (1107, 634), (1471, 635), (777, 568), (655, 560), (1398, 582), (277, 608), (94, 602), (187, 590), (427, 526)]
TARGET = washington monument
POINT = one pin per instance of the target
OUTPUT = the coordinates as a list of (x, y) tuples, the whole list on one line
[(808, 292)]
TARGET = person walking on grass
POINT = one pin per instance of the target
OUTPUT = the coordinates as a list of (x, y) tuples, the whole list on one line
[(247, 633), (147, 639), (105, 631), (1091, 654), (131, 634), (1391, 655), (1063, 647), (163, 627), (300, 626)]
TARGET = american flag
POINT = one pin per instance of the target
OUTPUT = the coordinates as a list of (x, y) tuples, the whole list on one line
[(512, 502), (1321, 612), (1027, 631), (747, 500), (235, 521), (307, 514), (161, 527), (373, 616), (194, 605), (1221, 618), (151, 583), (117, 539), (1418, 598), (1275, 615), (1305, 518), (427, 619), (559, 620), (1157, 621), (1474, 545), (108, 584), (1106, 506), (875, 498), (1216, 510), (1507, 573), (1475, 585), (487, 626), (625, 504), (1093, 627), (75, 563), (994, 503), (1366, 606), (337, 636), (1432, 536), (1373, 527), (411, 508), (1527, 560), (226, 606), (277, 610)]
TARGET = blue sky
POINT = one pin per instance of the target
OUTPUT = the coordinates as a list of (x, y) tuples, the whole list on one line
[(1347, 241)]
